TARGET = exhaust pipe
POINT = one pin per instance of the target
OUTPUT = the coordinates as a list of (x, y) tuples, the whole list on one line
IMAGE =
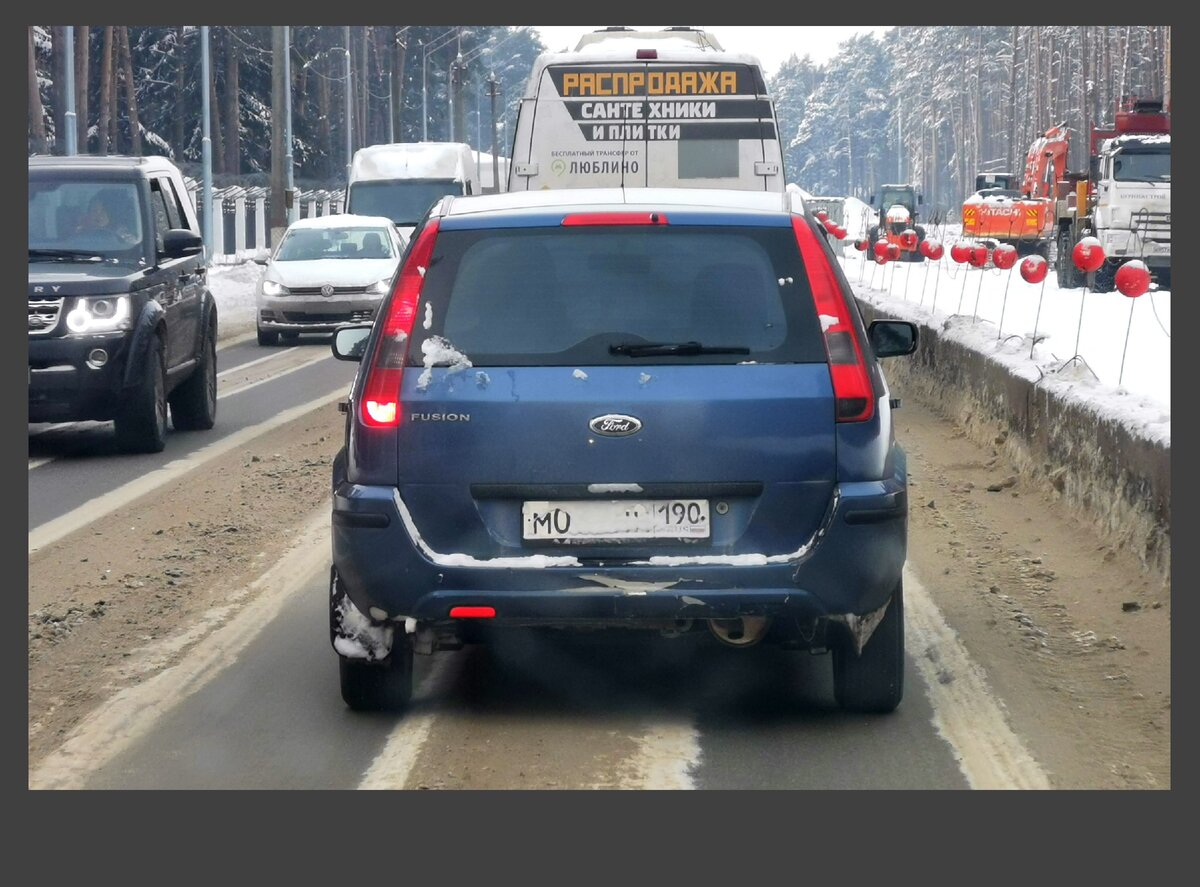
[(744, 631)]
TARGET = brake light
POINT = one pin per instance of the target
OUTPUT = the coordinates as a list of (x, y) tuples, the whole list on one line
[(472, 612), (381, 393), (852, 386), (615, 219), (647, 53)]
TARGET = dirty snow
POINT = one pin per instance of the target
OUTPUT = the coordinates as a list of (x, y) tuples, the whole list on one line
[(438, 351), (614, 488)]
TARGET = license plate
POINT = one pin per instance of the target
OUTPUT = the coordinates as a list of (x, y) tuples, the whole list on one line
[(614, 520)]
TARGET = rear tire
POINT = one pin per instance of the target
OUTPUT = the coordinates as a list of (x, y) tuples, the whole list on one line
[(379, 686), (141, 426), (1069, 277), (267, 337), (194, 403), (873, 681)]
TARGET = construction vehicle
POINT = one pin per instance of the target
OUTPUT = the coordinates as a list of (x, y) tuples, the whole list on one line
[(1124, 200), (898, 207), (998, 212)]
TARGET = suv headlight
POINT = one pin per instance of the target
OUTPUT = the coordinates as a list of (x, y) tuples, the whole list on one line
[(271, 288), (379, 287), (99, 315)]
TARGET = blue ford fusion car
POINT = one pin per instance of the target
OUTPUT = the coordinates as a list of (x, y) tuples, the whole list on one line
[(635, 408)]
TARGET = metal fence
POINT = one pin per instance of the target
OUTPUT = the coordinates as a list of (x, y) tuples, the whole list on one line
[(242, 228)]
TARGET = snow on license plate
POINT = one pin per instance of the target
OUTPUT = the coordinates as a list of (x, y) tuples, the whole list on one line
[(588, 520)]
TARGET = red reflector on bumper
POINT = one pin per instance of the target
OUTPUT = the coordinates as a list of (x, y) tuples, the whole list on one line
[(472, 612)]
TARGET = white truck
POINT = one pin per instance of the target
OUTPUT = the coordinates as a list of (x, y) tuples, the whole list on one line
[(646, 109), (1128, 196), (400, 181)]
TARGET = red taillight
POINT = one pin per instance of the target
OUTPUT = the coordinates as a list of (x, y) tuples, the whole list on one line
[(851, 381), (381, 393), (472, 612), (615, 219), (647, 53)]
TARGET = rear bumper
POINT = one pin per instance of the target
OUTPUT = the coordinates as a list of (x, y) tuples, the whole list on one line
[(849, 566), (62, 385)]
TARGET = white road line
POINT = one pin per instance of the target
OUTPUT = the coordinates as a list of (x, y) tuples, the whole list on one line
[(395, 761), (53, 530), (128, 716), (317, 358), (255, 362), (965, 712)]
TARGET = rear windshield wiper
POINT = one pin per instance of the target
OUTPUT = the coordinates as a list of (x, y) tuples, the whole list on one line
[(654, 349), (73, 254)]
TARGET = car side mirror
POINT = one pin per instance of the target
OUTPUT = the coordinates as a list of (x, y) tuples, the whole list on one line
[(180, 242), (350, 342), (892, 338), (261, 260)]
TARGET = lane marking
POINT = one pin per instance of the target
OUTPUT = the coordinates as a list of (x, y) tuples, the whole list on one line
[(35, 463), (53, 530), (119, 722), (257, 360), (316, 358), (965, 711), (394, 763)]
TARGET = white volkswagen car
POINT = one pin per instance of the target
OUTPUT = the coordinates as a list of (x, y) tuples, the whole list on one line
[(326, 271)]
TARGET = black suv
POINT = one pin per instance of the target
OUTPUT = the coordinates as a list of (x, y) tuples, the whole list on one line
[(121, 321)]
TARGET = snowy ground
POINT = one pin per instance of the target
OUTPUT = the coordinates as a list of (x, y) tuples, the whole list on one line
[(233, 289), (967, 303), (970, 301)]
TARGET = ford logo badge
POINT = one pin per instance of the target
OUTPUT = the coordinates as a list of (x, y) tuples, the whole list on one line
[(615, 425)]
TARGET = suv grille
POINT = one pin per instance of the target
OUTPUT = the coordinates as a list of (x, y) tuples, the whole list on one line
[(43, 315)]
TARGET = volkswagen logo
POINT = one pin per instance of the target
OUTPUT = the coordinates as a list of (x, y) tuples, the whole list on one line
[(327, 290), (615, 425)]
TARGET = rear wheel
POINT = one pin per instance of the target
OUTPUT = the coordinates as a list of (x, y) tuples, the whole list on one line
[(1069, 276), (141, 425), (379, 686), (873, 681), (267, 337), (194, 403)]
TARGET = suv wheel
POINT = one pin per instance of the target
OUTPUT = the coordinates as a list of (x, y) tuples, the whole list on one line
[(194, 403), (142, 424), (873, 681), (267, 337), (379, 686)]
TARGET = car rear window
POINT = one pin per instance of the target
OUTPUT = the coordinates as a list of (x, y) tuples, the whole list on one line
[(563, 295)]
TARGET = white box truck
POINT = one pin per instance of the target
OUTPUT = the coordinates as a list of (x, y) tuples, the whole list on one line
[(402, 180)]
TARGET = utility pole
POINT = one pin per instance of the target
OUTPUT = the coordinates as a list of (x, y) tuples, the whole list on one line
[(899, 140), (72, 144), (278, 148), (206, 147), (391, 110), (293, 209), (491, 82), (349, 118)]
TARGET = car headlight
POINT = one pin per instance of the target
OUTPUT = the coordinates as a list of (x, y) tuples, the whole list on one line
[(379, 287), (99, 315), (272, 288)]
